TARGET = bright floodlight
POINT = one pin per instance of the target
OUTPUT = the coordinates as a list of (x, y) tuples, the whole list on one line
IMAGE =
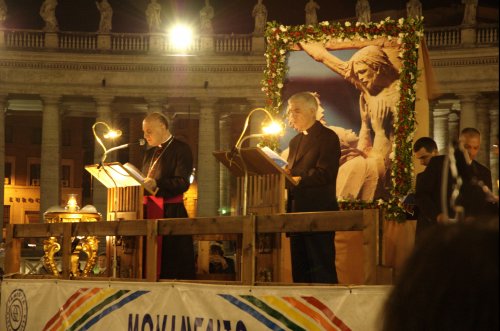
[(181, 37)]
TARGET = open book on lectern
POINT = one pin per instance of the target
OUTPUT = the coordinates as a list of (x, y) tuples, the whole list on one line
[(253, 161), (115, 174)]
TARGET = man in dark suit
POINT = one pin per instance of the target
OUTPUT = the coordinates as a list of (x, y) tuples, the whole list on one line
[(168, 165), (425, 148), (476, 178), (313, 162), (472, 197), (428, 186)]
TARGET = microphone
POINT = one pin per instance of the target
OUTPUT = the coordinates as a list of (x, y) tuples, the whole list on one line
[(140, 142)]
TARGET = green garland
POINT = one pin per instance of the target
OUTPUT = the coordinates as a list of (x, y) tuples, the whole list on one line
[(408, 32)]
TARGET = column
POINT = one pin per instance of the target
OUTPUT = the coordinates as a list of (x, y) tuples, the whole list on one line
[(453, 126), (50, 167), (3, 109), (440, 127), (208, 171), (99, 191), (467, 110), (483, 125), (155, 105), (225, 144), (494, 140)]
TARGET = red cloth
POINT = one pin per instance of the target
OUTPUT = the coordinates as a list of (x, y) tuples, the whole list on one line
[(177, 199), (153, 207)]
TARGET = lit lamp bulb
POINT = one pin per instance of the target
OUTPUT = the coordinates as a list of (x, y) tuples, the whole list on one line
[(272, 128), (112, 134)]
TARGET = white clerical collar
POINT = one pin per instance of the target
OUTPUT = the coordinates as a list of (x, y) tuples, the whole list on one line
[(166, 141), (305, 133)]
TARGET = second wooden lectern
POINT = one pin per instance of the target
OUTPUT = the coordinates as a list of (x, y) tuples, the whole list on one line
[(260, 191)]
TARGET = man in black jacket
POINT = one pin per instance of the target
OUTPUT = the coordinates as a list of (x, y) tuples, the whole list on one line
[(167, 166), (476, 192), (313, 162), (427, 195), (475, 178)]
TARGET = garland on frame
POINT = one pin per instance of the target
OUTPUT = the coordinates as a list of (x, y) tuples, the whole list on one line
[(408, 33)]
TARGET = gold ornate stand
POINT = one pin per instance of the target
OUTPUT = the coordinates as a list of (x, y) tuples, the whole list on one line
[(88, 244)]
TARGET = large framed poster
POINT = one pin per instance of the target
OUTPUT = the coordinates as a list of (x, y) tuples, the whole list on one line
[(364, 77)]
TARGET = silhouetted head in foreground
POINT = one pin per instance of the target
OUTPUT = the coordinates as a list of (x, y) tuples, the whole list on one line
[(450, 282)]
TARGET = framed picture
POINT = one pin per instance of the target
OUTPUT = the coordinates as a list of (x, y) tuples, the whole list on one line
[(363, 76)]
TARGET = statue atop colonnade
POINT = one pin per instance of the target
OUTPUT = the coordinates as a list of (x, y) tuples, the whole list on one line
[(48, 14), (153, 12), (106, 11), (3, 12), (259, 13), (363, 12)]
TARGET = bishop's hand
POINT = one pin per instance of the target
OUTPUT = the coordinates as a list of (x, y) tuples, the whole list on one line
[(150, 184)]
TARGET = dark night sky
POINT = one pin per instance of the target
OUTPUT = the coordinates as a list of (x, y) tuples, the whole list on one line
[(230, 15)]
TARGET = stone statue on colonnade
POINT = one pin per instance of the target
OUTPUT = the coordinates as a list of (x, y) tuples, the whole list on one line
[(3, 12), (311, 17), (363, 11), (470, 12), (48, 14), (206, 16), (414, 9), (106, 16), (153, 16), (259, 12)]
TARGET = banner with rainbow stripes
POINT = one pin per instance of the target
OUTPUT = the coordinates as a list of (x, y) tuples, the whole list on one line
[(56, 305)]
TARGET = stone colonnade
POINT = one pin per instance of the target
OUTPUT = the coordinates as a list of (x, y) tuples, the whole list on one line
[(475, 110)]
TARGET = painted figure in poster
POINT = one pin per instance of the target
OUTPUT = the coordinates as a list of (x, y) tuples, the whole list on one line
[(371, 72), (358, 173)]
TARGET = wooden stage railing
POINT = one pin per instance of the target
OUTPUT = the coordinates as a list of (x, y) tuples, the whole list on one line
[(248, 227)]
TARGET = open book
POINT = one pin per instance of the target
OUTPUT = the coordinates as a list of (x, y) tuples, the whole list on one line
[(137, 175), (281, 162)]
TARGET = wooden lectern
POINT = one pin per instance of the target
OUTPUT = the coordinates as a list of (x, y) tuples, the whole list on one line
[(260, 191), (124, 202)]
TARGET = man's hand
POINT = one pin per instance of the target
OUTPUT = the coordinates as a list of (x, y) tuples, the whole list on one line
[(150, 183), (297, 179)]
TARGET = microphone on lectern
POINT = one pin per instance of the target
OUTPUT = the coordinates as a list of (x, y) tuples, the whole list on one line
[(140, 142)]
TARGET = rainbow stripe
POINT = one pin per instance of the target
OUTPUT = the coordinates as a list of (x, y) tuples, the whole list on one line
[(87, 306), (288, 313)]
